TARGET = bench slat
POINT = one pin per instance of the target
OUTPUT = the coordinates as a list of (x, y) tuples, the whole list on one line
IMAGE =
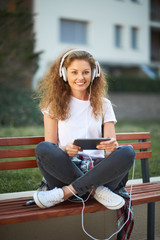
[(16, 141), (32, 163), (146, 198), (133, 136), (15, 153), (18, 164), (143, 155), (138, 145)]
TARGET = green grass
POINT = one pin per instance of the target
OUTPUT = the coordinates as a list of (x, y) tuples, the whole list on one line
[(29, 179), (24, 179), (152, 126)]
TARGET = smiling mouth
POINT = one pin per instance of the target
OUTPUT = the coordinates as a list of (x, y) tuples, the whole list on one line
[(80, 83)]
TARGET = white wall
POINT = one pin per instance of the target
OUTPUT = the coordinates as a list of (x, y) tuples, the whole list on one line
[(102, 16)]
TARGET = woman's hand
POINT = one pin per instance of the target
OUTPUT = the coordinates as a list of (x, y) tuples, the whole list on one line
[(72, 150), (108, 146)]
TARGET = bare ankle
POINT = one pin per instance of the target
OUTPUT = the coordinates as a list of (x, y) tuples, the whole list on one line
[(69, 191)]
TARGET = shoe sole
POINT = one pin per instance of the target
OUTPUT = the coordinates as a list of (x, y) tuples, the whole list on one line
[(120, 205), (36, 199)]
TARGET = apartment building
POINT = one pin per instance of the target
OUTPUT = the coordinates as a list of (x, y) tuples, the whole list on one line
[(121, 34), (154, 25)]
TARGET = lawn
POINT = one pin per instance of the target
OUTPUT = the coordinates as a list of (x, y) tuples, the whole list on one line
[(29, 179)]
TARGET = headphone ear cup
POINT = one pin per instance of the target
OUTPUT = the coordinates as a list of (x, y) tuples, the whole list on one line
[(64, 74), (93, 74)]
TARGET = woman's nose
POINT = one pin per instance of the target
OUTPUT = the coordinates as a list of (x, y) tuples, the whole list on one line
[(80, 76)]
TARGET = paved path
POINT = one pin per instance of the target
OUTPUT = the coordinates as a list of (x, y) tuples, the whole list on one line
[(138, 106)]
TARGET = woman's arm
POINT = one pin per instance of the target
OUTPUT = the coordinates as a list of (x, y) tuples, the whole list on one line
[(51, 135), (50, 129), (109, 130)]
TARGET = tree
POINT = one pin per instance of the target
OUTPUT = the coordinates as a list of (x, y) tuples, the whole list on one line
[(18, 61)]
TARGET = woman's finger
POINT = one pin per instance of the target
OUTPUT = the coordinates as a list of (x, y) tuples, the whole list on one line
[(72, 149), (108, 145)]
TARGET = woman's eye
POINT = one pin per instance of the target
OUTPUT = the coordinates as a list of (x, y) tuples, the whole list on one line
[(86, 72)]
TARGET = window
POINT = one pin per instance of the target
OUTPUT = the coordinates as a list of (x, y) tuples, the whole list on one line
[(118, 36), (134, 38), (136, 1), (73, 31)]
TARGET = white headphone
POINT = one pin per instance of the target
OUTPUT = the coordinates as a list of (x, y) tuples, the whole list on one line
[(63, 71)]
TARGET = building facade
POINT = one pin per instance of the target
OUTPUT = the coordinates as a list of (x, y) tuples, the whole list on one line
[(155, 35), (120, 33)]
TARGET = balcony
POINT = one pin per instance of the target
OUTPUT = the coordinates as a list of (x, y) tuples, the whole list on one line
[(155, 43), (155, 10)]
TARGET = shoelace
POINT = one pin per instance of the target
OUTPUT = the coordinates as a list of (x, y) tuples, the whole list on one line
[(50, 195), (101, 194)]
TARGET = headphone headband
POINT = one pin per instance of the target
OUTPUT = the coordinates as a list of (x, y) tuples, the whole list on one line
[(62, 71)]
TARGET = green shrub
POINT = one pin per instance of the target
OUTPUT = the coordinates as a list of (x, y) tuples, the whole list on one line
[(133, 84), (18, 107)]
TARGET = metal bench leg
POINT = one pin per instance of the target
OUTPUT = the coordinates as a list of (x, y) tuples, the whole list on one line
[(151, 206), (151, 221)]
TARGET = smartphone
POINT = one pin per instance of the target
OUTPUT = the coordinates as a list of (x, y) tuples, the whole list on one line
[(89, 143), (30, 202)]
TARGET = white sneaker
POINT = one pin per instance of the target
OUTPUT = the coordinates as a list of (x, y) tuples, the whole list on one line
[(109, 199), (46, 199)]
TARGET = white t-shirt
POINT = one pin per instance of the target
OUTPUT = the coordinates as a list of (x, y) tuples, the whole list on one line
[(82, 124)]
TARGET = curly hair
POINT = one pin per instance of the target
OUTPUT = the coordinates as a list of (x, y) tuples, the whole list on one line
[(54, 92)]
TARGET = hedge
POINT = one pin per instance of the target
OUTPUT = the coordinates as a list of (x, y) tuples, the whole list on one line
[(133, 84), (18, 107)]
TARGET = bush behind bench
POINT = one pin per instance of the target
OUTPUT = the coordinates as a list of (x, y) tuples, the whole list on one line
[(133, 84), (19, 108)]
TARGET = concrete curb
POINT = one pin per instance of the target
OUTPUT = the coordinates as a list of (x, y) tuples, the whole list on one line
[(5, 196)]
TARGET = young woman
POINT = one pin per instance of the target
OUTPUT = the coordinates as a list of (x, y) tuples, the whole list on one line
[(74, 106)]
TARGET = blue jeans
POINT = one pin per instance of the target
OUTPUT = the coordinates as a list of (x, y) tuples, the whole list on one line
[(59, 170)]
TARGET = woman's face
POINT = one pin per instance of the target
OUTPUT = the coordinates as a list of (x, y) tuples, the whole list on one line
[(79, 76)]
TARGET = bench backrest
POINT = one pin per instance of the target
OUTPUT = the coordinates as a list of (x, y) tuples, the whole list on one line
[(20, 151)]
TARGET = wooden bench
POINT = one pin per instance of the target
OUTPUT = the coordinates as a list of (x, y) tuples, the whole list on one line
[(15, 210)]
